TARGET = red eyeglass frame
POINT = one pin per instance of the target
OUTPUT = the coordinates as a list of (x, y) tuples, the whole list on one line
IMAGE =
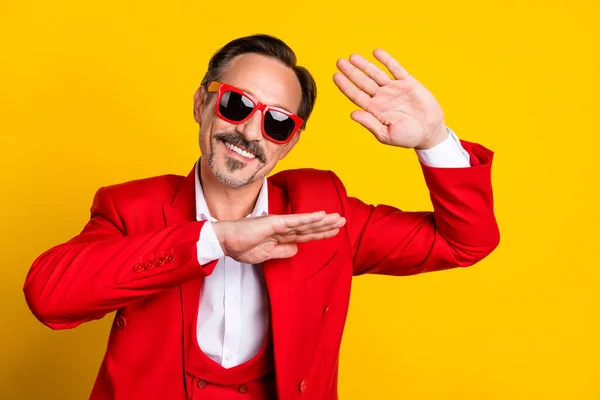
[(221, 88)]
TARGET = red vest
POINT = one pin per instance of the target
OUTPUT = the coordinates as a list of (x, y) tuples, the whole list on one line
[(208, 380)]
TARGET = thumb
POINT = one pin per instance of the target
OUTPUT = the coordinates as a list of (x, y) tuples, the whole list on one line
[(284, 250), (369, 121)]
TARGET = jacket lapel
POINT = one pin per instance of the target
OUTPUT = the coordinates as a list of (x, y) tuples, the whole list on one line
[(295, 326), (182, 208), (279, 278)]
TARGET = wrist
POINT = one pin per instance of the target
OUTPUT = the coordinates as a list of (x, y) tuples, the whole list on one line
[(436, 138)]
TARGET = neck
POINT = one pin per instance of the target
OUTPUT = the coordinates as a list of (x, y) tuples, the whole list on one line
[(226, 203)]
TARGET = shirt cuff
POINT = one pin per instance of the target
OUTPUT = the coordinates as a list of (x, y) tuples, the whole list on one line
[(448, 154), (208, 246)]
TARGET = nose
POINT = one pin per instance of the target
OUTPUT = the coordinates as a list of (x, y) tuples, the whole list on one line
[(251, 129)]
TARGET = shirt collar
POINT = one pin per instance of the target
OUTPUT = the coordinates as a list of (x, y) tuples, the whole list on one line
[(261, 207)]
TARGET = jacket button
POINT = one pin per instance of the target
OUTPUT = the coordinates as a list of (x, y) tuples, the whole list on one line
[(120, 322), (138, 267), (302, 385), (325, 310), (243, 389), (169, 259), (201, 384), (149, 265), (160, 261)]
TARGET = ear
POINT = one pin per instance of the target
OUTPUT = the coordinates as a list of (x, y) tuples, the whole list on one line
[(289, 145), (199, 103)]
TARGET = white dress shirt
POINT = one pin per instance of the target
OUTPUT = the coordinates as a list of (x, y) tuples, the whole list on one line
[(233, 315)]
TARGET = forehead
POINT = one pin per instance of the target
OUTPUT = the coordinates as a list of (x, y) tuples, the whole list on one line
[(267, 79)]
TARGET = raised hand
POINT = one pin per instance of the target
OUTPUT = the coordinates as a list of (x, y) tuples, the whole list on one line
[(254, 240), (400, 111)]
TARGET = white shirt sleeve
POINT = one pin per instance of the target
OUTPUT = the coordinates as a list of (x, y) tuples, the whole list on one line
[(448, 154), (208, 246)]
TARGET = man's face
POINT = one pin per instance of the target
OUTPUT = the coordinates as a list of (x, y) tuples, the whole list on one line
[(272, 83)]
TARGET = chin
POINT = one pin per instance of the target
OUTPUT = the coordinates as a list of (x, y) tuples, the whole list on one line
[(232, 181), (238, 178)]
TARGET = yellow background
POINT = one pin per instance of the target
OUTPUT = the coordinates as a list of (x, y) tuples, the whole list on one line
[(96, 93)]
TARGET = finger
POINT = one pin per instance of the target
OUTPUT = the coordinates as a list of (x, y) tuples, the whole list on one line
[(285, 222), (306, 236), (293, 235), (356, 95), (329, 219), (372, 70), (315, 229), (317, 236), (339, 223), (391, 64), (356, 76), (369, 121), (284, 251)]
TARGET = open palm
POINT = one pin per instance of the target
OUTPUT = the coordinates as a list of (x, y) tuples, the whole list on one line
[(400, 111)]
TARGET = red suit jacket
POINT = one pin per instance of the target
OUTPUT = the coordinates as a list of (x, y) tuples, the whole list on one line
[(137, 256)]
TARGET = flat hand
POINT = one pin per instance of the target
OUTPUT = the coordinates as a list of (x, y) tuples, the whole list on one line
[(254, 240), (400, 111)]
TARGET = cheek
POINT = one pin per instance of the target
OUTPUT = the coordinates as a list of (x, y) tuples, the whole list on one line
[(282, 151), (208, 130), (204, 138), (274, 153), (270, 152), (217, 125)]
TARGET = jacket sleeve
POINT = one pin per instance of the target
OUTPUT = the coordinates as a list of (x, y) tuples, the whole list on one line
[(102, 269), (461, 230)]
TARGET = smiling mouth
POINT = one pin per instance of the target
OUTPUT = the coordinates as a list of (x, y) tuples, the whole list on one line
[(242, 152)]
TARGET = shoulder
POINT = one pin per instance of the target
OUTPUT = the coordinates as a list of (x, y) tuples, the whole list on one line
[(136, 205), (309, 181), (143, 191), (305, 175)]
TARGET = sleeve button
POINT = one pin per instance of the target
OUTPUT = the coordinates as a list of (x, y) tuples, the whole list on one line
[(160, 261), (169, 259), (149, 265), (138, 267)]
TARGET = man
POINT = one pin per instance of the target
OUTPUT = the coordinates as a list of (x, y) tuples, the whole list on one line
[(228, 284)]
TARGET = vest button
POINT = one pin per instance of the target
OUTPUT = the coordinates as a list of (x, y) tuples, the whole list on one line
[(201, 384), (243, 389), (302, 385)]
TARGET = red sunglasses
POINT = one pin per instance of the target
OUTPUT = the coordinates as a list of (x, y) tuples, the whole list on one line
[(236, 106)]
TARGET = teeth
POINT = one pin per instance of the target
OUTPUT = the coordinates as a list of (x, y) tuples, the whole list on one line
[(239, 151)]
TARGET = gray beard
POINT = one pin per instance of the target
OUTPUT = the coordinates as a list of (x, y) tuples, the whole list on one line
[(232, 165)]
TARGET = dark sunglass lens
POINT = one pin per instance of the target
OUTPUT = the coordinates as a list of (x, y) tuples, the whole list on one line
[(278, 125), (235, 106)]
